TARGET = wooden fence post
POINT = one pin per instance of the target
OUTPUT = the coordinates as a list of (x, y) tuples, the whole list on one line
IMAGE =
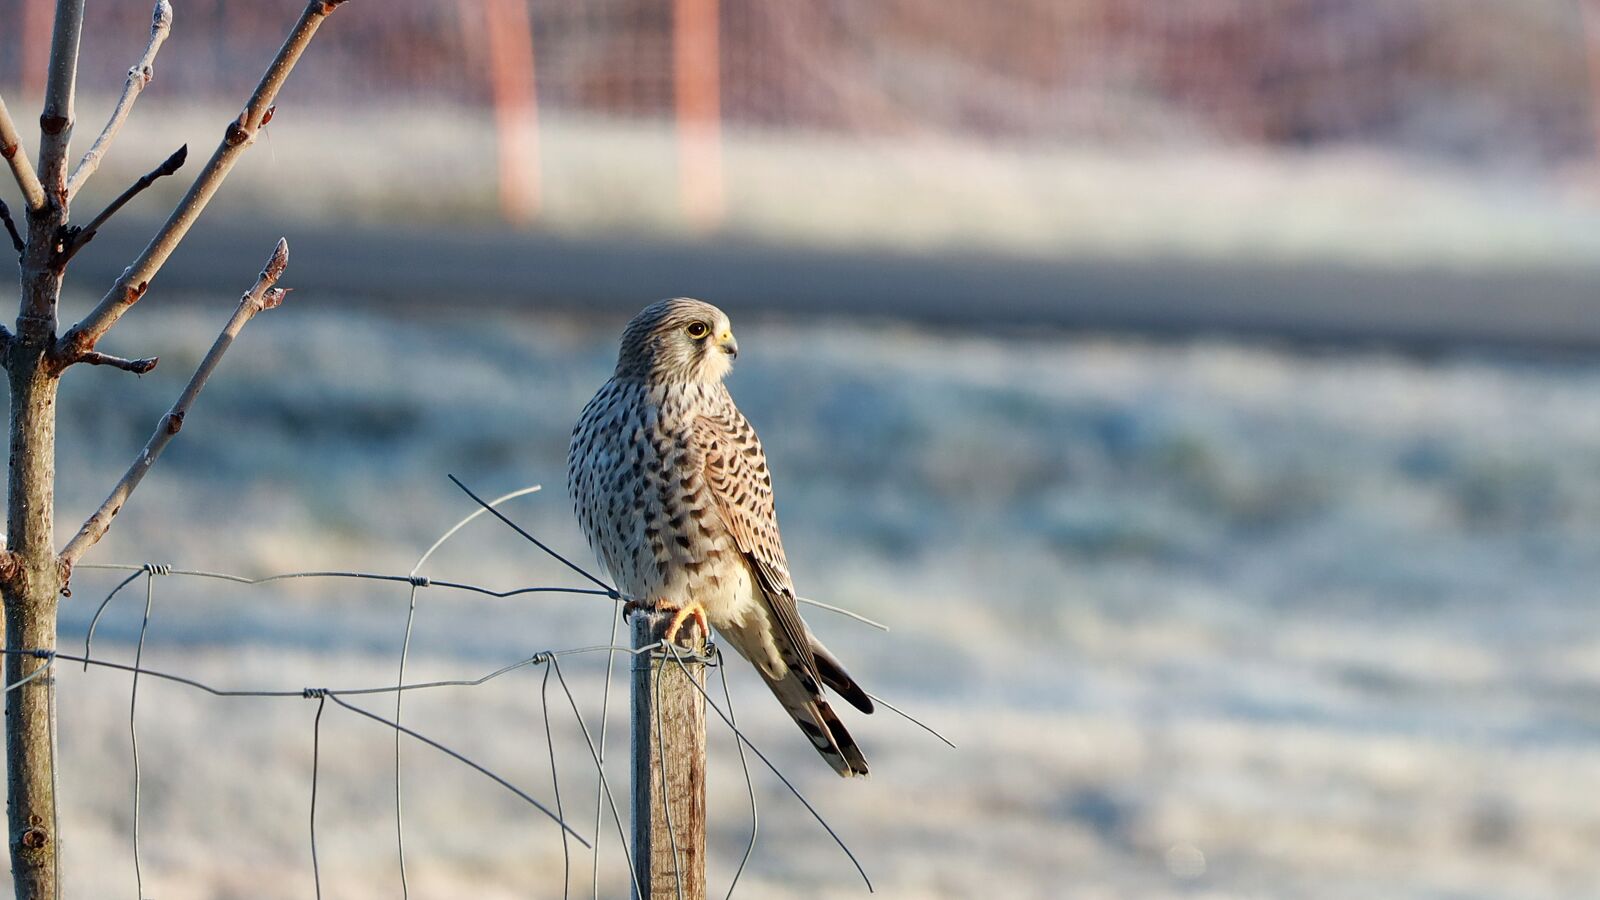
[(668, 727)]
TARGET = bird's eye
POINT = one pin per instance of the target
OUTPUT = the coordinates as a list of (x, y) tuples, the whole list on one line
[(698, 330)]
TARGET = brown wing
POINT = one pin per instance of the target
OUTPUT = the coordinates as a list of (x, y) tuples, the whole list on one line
[(735, 470)]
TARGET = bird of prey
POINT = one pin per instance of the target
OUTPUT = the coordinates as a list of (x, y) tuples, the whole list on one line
[(671, 487)]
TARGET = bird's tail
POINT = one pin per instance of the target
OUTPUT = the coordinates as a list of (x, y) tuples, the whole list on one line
[(821, 725), (788, 671)]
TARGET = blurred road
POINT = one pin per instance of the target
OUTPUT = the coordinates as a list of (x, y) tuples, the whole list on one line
[(1414, 308)]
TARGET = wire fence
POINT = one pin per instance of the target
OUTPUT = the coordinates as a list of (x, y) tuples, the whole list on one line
[(558, 810), (1461, 78), (898, 86)]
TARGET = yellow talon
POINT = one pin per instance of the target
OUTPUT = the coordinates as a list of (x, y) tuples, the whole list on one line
[(681, 616)]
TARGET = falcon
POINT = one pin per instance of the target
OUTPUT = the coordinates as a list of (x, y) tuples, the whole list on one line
[(672, 489)]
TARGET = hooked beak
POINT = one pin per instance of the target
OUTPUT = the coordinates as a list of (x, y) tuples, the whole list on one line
[(728, 345)]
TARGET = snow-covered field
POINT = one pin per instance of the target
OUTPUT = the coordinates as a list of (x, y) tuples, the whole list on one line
[(1204, 619)]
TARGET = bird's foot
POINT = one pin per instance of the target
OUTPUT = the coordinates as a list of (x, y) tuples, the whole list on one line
[(683, 614), (630, 607)]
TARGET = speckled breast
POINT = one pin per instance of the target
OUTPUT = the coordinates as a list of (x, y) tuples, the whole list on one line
[(640, 494)]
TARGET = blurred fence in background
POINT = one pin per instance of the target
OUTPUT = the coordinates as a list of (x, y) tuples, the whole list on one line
[(1413, 170), (1480, 83)]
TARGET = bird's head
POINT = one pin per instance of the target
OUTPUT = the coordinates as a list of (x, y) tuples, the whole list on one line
[(677, 340)]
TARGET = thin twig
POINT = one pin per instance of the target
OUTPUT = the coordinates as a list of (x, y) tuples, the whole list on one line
[(136, 366), (17, 157), (56, 119), (240, 134), (17, 242), (262, 296), (77, 237), (139, 76)]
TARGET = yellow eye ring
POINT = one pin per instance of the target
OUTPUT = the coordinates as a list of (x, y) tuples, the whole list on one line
[(698, 330)]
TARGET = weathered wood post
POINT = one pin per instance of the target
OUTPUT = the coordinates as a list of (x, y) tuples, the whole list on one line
[(668, 736)]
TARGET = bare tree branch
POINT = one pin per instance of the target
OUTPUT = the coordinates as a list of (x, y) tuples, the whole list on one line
[(241, 133), (17, 158), (264, 295), (138, 79), (136, 366), (55, 122), (77, 237), (11, 228)]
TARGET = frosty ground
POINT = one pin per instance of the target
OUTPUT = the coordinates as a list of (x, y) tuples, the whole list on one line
[(1204, 619), (1171, 199)]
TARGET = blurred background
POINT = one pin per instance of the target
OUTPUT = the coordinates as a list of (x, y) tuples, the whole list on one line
[(1202, 392)]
